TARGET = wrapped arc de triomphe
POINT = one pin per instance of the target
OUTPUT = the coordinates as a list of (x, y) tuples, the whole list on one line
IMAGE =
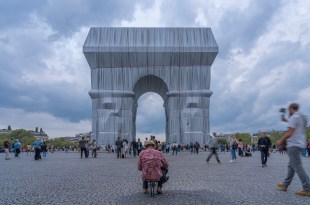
[(172, 62)]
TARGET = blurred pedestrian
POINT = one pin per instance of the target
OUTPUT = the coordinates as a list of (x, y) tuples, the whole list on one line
[(134, 146), (233, 148), (94, 150), (175, 148), (197, 147), (119, 144), (17, 146), (44, 149), (295, 140), (6, 146), (191, 147), (86, 149), (264, 144), (139, 146), (29, 149), (82, 144), (213, 145), (37, 149)]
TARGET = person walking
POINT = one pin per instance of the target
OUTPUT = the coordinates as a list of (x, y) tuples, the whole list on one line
[(94, 150), (191, 147), (134, 146), (213, 145), (17, 146), (82, 144), (197, 147), (139, 146), (264, 144), (37, 149), (233, 148), (86, 149), (44, 149), (124, 149), (167, 147), (295, 140), (175, 148), (119, 144), (6, 146), (29, 149)]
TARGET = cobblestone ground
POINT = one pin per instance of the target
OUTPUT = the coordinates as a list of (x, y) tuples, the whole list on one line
[(66, 179)]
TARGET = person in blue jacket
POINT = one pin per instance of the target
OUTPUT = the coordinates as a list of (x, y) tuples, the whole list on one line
[(37, 149)]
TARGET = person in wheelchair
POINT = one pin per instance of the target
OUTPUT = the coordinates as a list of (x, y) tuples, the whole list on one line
[(154, 167)]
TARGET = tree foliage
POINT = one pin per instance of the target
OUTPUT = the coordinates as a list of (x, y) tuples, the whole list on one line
[(275, 136), (60, 143), (245, 137), (25, 137), (222, 141)]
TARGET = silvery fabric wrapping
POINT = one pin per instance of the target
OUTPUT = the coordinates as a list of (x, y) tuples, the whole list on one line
[(128, 62)]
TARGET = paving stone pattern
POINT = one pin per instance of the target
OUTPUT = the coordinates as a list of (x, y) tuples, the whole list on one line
[(66, 179)]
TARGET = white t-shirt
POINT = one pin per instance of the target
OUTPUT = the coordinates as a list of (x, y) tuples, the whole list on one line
[(298, 139)]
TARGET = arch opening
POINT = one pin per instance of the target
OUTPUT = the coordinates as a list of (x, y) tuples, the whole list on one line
[(150, 119), (150, 86)]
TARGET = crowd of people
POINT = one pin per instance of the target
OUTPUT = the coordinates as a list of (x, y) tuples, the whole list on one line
[(154, 166), (37, 147)]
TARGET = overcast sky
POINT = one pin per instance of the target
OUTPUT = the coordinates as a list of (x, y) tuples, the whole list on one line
[(263, 64)]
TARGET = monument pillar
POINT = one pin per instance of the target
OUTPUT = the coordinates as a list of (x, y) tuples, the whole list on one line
[(112, 115)]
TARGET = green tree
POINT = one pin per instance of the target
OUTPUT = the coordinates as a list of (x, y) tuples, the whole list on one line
[(60, 143), (245, 137), (275, 136), (9, 128), (222, 141), (25, 137)]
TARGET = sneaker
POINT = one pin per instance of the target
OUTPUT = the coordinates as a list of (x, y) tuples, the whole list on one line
[(282, 187), (303, 193), (231, 161), (145, 191), (219, 162), (207, 161)]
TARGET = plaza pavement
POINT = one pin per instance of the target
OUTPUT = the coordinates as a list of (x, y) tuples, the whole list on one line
[(66, 179)]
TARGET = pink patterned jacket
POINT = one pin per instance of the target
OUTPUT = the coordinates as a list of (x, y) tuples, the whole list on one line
[(150, 163)]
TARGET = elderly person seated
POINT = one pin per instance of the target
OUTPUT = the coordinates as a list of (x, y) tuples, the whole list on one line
[(153, 165)]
